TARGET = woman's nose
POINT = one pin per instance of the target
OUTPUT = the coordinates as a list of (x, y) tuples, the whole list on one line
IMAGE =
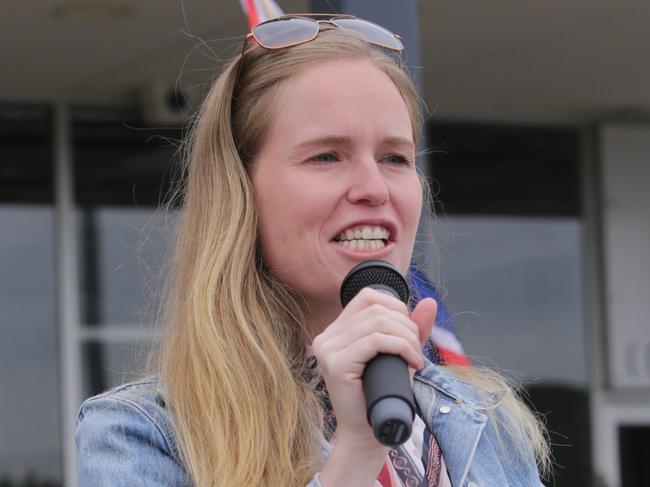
[(368, 184)]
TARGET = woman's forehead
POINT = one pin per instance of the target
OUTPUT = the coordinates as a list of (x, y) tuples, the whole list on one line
[(340, 97)]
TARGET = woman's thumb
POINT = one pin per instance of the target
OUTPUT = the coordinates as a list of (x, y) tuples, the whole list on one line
[(424, 316)]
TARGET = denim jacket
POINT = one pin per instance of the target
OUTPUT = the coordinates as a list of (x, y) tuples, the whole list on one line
[(124, 437)]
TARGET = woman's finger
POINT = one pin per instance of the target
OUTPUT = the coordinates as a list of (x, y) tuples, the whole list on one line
[(387, 322), (367, 297), (376, 312), (360, 352)]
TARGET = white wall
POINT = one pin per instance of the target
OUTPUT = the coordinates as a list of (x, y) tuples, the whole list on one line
[(625, 166), (617, 212)]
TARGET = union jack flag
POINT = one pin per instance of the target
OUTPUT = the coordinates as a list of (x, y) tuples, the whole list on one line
[(443, 346), (260, 10)]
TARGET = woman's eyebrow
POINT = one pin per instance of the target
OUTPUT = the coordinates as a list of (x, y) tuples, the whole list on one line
[(346, 140), (396, 140), (326, 140)]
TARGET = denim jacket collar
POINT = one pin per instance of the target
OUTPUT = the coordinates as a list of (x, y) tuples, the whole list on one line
[(455, 412)]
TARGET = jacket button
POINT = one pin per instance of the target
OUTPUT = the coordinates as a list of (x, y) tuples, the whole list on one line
[(446, 410), (472, 484)]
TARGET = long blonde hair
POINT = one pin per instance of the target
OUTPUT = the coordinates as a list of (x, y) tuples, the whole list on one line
[(232, 361)]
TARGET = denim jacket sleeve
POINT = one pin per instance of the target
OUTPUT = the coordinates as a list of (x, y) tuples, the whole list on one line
[(124, 438)]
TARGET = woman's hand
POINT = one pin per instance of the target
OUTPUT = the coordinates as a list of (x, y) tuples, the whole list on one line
[(373, 322)]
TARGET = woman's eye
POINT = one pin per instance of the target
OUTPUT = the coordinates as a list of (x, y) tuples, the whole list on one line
[(325, 157), (397, 160)]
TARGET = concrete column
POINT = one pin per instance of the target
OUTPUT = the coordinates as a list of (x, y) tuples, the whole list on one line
[(67, 289), (400, 17)]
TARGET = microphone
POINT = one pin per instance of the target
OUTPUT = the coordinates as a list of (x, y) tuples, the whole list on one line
[(390, 406)]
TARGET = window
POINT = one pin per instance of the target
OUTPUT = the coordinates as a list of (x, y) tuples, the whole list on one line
[(509, 254), (29, 404)]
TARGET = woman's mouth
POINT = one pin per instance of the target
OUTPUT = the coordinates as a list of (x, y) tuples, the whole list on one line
[(364, 237)]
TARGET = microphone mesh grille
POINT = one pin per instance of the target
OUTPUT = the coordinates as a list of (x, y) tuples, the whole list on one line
[(373, 272)]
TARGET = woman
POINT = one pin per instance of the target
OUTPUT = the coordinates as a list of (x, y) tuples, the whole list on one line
[(300, 165)]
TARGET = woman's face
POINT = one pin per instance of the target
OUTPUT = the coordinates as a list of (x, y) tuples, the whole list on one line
[(335, 178)]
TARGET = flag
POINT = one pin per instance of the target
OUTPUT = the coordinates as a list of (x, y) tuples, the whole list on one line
[(260, 10), (442, 346)]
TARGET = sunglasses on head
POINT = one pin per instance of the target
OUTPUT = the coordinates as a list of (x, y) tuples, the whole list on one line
[(291, 30)]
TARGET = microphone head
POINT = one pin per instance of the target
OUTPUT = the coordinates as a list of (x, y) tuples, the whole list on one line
[(374, 273)]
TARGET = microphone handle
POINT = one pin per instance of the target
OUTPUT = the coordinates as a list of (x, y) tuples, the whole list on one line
[(390, 406)]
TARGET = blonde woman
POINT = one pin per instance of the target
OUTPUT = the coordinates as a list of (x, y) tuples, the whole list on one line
[(300, 165)]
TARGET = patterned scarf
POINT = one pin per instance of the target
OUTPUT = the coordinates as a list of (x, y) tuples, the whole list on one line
[(416, 463)]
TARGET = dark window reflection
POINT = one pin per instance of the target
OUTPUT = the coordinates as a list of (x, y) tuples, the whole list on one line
[(634, 454), (26, 170), (121, 162), (497, 169)]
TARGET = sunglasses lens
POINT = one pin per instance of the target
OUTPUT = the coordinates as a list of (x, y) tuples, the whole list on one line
[(371, 32), (285, 32)]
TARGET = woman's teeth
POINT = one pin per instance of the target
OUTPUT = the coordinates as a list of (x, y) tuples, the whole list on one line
[(363, 244), (364, 238)]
